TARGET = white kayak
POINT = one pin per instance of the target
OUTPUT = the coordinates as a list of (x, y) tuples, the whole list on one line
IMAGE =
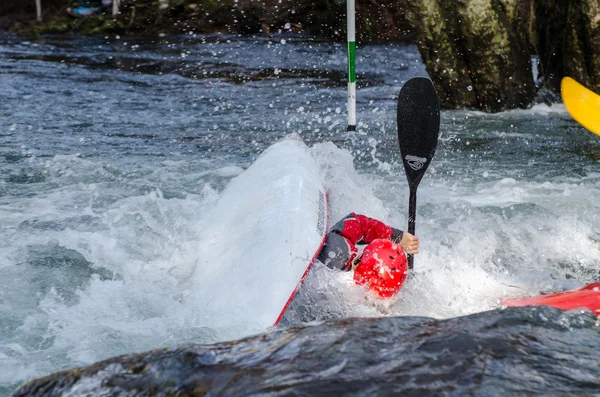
[(266, 231)]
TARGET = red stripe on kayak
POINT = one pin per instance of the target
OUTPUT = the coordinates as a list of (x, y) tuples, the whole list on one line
[(312, 261)]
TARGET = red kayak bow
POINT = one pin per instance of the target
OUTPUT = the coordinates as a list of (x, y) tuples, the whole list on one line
[(586, 297)]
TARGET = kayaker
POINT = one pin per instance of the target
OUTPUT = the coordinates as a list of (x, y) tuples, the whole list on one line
[(382, 266)]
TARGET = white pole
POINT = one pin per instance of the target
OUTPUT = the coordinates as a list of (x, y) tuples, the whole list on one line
[(38, 9), (116, 4), (351, 65)]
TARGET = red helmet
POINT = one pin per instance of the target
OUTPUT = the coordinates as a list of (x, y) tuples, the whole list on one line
[(382, 268)]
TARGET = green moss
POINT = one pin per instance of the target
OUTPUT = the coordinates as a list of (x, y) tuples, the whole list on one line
[(57, 27)]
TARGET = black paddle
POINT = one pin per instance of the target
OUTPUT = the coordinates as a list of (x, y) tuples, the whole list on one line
[(418, 130)]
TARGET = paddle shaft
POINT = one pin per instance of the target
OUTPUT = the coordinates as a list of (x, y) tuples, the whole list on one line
[(412, 213)]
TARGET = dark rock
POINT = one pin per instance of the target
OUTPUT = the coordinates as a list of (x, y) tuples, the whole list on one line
[(568, 35), (519, 351)]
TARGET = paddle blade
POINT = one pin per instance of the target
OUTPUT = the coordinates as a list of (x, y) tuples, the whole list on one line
[(418, 127), (583, 105)]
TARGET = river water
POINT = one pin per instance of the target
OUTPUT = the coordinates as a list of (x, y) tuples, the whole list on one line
[(114, 149)]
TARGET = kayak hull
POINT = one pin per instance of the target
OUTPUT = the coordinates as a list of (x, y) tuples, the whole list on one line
[(266, 231)]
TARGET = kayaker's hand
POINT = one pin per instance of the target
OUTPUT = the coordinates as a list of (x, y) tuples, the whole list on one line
[(410, 243)]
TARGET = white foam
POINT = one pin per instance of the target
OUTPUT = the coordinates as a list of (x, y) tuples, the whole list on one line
[(540, 109), (505, 237), (477, 245)]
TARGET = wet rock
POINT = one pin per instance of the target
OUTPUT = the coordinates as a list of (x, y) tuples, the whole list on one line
[(568, 34), (474, 52), (517, 351)]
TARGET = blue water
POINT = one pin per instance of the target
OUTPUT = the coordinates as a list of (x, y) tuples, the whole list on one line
[(113, 150)]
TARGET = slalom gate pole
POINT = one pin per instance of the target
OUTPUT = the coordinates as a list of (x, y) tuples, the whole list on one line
[(351, 65), (38, 9)]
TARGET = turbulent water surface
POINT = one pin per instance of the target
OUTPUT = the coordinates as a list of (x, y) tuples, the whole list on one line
[(113, 151)]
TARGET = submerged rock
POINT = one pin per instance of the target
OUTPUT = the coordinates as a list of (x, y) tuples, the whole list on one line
[(518, 351)]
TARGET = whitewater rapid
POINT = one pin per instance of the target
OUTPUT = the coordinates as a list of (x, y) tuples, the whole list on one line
[(109, 176)]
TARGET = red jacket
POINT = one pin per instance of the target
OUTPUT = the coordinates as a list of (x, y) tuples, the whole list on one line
[(339, 250)]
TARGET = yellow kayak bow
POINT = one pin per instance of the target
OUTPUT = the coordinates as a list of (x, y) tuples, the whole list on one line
[(582, 104)]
